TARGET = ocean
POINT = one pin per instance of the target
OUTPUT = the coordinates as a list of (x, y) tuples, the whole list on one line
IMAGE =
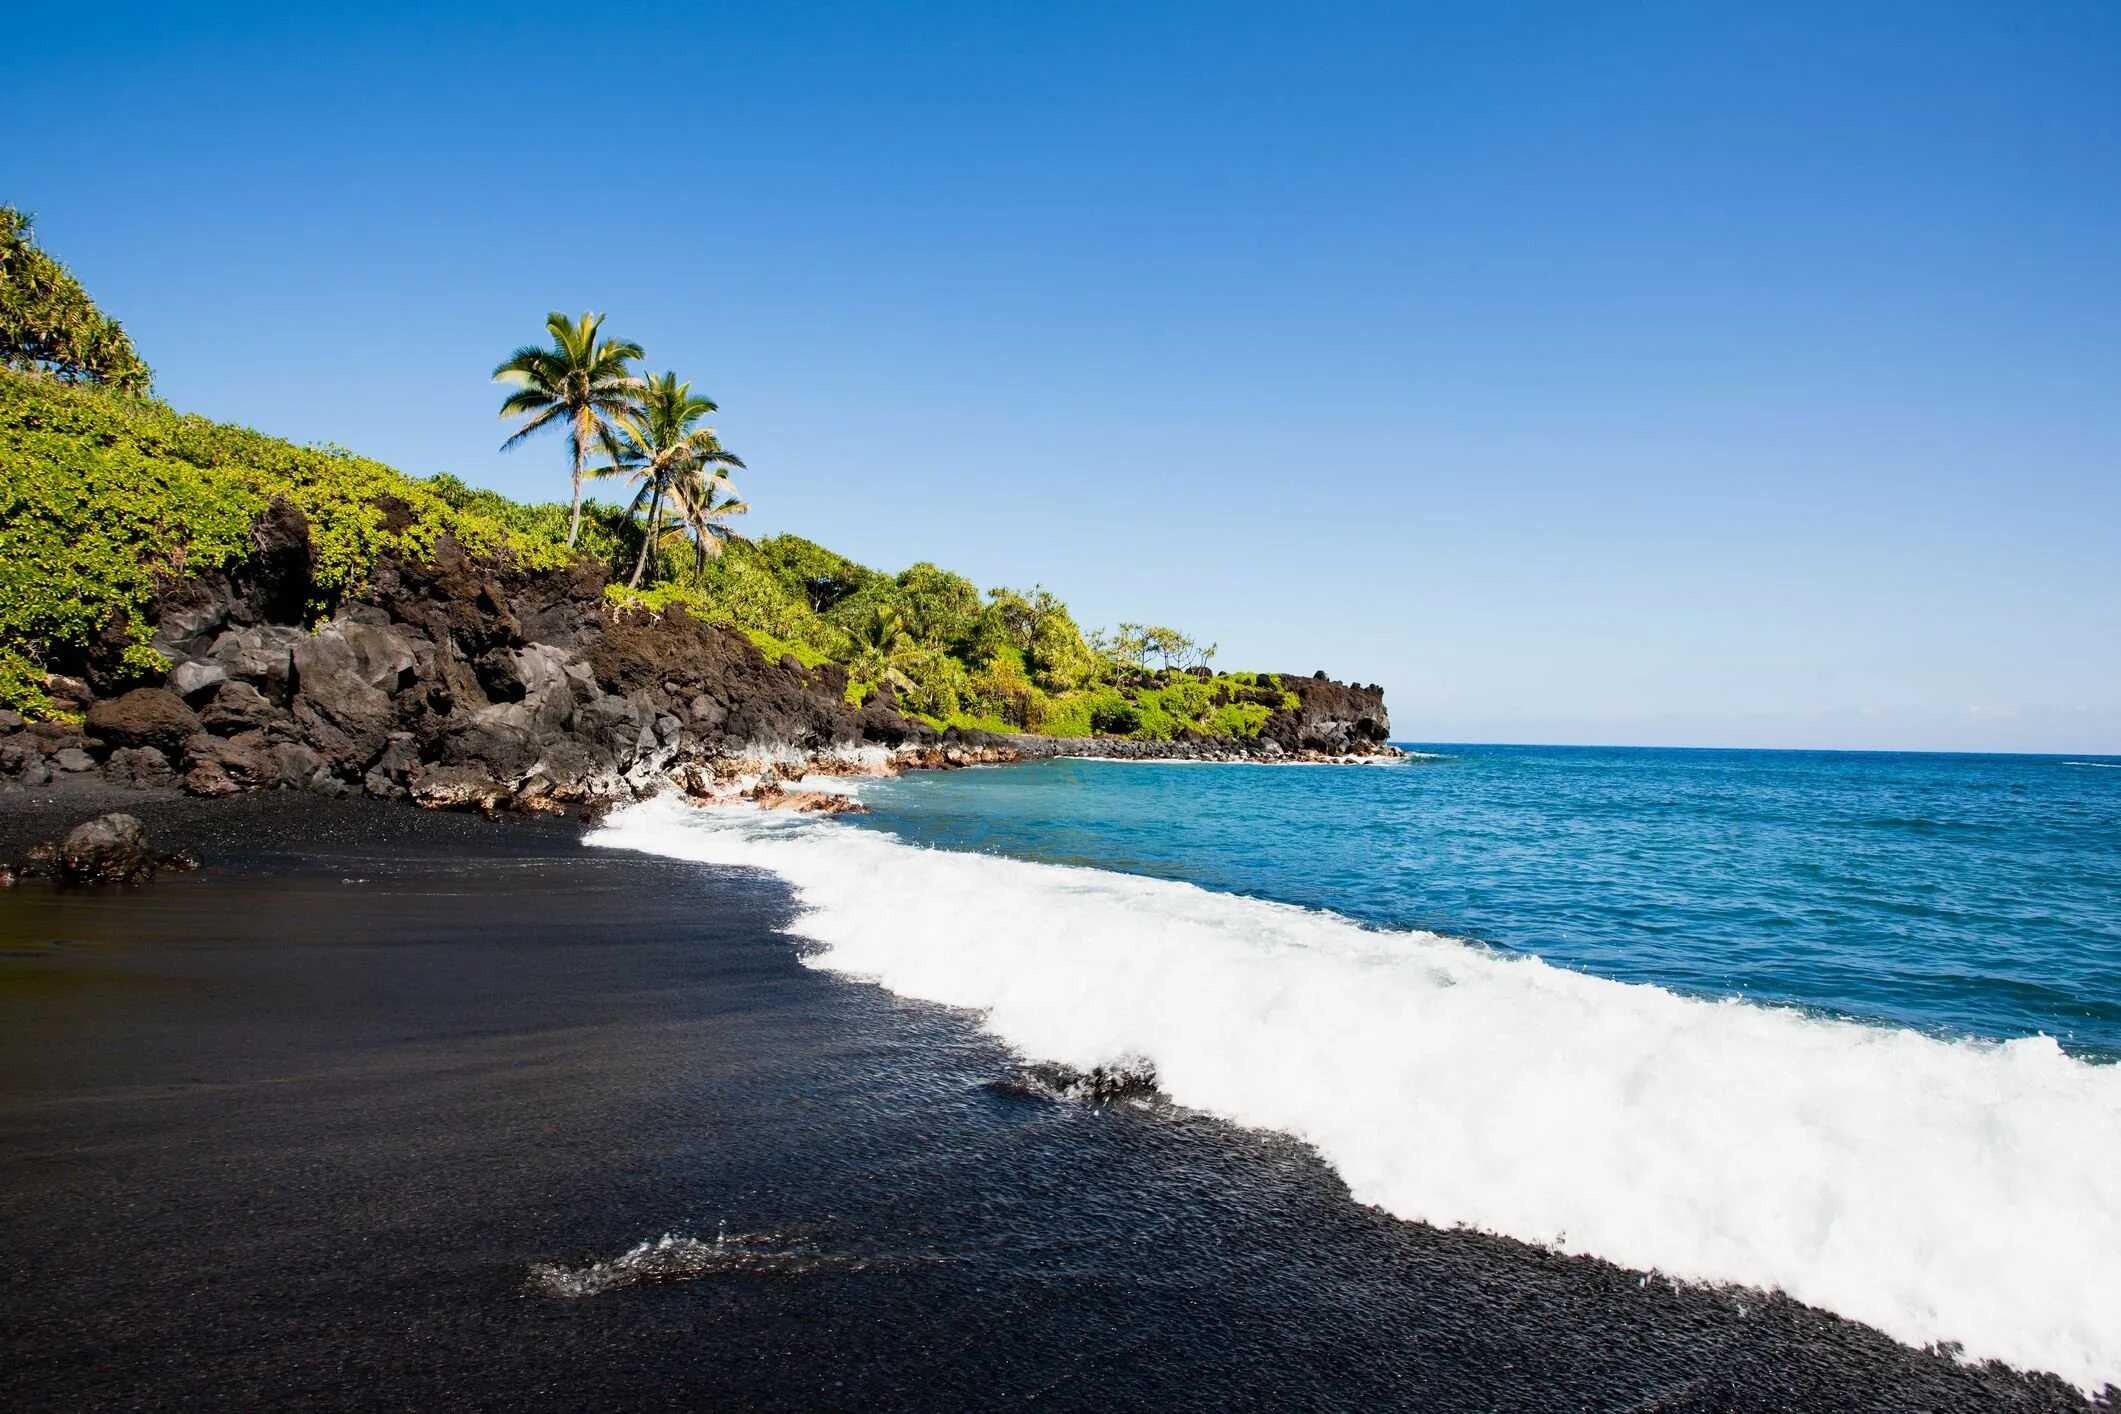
[(1839, 1025)]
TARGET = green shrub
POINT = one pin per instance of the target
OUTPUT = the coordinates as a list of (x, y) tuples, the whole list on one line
[(1115, 716), (1238, 719), (813, 573), (102, 494), (708, 607), (940, 607)]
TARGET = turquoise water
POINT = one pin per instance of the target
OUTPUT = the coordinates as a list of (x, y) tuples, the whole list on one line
[(1960, 895)]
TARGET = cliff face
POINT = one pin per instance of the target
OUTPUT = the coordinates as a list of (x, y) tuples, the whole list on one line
[(464, 681), (1338, 719)]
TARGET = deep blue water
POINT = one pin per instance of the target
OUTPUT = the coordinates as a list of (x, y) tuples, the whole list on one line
[(1962, 895)]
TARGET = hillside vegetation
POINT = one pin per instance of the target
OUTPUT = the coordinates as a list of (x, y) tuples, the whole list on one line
[(104, 495), (108, 497)]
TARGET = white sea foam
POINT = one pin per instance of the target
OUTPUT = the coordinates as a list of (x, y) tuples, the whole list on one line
[(1940, 1191)]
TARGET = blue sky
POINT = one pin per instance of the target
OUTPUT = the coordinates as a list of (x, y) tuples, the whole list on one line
[(1736, 375)]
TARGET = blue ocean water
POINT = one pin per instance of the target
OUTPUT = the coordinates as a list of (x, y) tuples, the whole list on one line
[(1965, 896)]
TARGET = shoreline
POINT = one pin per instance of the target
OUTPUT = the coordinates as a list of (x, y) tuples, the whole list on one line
[(378, 1065)]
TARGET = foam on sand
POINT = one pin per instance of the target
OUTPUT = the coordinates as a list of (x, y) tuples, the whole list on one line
[(1941, 1191)]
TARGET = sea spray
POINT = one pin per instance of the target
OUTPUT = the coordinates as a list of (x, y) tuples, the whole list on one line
[(1954, 1192)]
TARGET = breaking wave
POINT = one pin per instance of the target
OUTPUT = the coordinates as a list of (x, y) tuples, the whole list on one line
[(1946, 1192)]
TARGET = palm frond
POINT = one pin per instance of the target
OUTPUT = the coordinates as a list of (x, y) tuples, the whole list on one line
[(544, 419)]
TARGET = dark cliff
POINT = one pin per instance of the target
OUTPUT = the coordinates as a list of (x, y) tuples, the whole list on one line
[(462, 680)]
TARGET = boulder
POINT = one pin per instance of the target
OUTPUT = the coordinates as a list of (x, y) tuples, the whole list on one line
[(262, 656), (190, 614), (382, 656), (239, 707), (400, 759), (501, 740), (146, 716), (72, 759), (21, 761), (295, 766), (106, 850), (338, 708), (229, 765), (571, 768), (193, 678), (457, 788), (139, 768)]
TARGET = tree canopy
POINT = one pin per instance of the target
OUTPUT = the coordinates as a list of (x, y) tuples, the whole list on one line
[(48, 324)]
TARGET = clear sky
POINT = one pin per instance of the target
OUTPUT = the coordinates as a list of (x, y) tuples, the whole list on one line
[(1688, 374)]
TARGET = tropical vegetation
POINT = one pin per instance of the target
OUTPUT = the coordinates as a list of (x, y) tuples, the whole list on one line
[(106, 494), (48, 324), (580, 384)]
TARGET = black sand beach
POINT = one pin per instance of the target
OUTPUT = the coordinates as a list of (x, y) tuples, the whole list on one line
[(294, 1131)]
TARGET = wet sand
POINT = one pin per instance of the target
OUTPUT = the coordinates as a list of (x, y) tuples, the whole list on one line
[(294, 1132)]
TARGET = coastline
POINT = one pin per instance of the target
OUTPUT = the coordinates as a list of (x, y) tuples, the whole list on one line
[(378, 1064)]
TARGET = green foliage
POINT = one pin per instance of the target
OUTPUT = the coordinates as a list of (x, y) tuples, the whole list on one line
[(1060, 660), (1238, 719), (941, 607), (755, 596), (609, 535), (817, 575), (936, 685), (715, 608), (101, 495), (1002, 689), (48, 324)]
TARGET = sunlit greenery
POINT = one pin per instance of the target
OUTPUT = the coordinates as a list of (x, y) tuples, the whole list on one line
[(49, 325), (102, 494)]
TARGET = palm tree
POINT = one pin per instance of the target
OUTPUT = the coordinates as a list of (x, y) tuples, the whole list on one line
[(881, 645), (581, 382), (700, 506), (659, 443)]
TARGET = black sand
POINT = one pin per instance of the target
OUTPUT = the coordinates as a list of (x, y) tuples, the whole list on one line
[(292, 1132)]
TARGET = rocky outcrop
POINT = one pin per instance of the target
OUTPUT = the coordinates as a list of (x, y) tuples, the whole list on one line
[(1331, 718), (454, 681), (467, 681), (110, 849)]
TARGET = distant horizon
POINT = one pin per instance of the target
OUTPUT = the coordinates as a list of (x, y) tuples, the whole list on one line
[(1409, 743), (1581, 377)]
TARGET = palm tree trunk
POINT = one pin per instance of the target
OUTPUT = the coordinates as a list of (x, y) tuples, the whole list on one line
[(655, 515), (574, 519)]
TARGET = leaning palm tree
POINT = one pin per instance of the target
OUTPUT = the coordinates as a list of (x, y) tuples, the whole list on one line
[(581, 383), (659, 443)]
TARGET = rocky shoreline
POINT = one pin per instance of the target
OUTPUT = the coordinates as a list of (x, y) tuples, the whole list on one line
[(463, 682)]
